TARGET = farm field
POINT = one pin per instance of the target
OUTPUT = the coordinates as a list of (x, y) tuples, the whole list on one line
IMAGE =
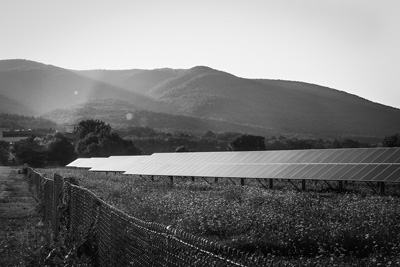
[(313, 228)]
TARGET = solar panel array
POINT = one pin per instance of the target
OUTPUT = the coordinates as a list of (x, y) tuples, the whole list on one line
[(85, 163), (118, 163), (362, 164)]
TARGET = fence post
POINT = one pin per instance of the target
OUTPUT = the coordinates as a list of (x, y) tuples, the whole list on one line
[(57, 190)]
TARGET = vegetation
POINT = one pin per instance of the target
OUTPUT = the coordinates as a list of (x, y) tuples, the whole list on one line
[(311, 228), (392, 141), (97, 140), (287, 143), (122, 115), (152, 141), (248, 143), (59, 149), (4, 151), (29, 151), (13, 121)]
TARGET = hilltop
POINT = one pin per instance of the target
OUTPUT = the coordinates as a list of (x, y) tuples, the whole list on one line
[(259, 106)]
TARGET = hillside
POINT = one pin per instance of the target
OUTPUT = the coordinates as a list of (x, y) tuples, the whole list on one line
[(43, 88), (292, 107), (121, 114), (9, 105), (282, 107)]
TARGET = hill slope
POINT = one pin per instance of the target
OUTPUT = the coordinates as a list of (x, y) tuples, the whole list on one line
[(43, 88), (8, 105), (122, 114), (289, 106), (283, 107)]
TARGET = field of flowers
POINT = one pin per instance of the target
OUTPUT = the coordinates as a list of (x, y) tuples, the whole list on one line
[(306, 228)]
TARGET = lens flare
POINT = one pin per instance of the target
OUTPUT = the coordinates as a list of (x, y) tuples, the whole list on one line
[(129, 116)]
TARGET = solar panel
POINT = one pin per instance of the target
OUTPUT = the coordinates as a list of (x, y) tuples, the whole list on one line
[(366, 164), (316, 156), (338, 171), (353, 169), (118, 163), (362, 172), (394, 177), (73, 163), (97, 162), (335, 156), (374, 173), (374, 155), (353, 155), (321, 174), (309, 171), (324, 157), (390, 152), (394, 158), (82, 163)]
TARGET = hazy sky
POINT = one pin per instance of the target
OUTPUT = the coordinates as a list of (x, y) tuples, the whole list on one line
[(350, 45)]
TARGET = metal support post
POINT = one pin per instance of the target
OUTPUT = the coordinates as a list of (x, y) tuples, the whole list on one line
[(382, 188), (340, 186), (303, 185), (328, 184)]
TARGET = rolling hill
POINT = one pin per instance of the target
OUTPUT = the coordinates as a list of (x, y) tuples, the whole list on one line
[(201, 93), (121, 114), (43, 88)]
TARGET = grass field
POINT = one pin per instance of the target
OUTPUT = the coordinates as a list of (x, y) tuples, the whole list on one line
[(314, 228)]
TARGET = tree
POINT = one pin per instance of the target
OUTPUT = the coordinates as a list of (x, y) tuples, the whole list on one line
[(29, 151), (97, 140), (392, 141), (59, 149), (248, 143), (4, 152), (209, 135), (92, 126)]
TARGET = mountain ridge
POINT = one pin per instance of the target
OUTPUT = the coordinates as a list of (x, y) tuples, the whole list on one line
[(201, 92)]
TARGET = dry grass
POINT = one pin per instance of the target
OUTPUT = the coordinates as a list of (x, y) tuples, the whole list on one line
[(314, 228)]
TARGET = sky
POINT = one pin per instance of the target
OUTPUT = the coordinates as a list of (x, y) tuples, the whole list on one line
[(349, 45)]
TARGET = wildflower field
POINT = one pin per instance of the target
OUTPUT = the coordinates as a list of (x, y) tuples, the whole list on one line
[(312, 228)]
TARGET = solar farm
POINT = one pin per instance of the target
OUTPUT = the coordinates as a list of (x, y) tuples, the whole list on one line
[(372, 166), (264, 202)]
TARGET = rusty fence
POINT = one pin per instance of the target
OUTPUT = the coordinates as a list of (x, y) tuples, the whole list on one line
[(112, 238)]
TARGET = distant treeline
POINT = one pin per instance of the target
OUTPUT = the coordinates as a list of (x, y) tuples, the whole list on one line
[(94, 138), (152, 141), (14, 122)]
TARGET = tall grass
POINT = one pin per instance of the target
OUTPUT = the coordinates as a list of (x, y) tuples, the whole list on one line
[(305, 227)]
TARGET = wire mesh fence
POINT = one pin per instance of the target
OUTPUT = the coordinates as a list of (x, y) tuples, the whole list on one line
[(110, 237)]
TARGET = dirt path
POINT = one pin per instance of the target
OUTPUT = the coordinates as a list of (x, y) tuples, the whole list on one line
[(18, 218)]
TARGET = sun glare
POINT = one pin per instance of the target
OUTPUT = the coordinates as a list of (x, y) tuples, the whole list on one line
[(129, 116)]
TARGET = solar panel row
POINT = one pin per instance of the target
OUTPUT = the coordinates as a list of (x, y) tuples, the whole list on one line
[(110, 164), (364, 164)]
